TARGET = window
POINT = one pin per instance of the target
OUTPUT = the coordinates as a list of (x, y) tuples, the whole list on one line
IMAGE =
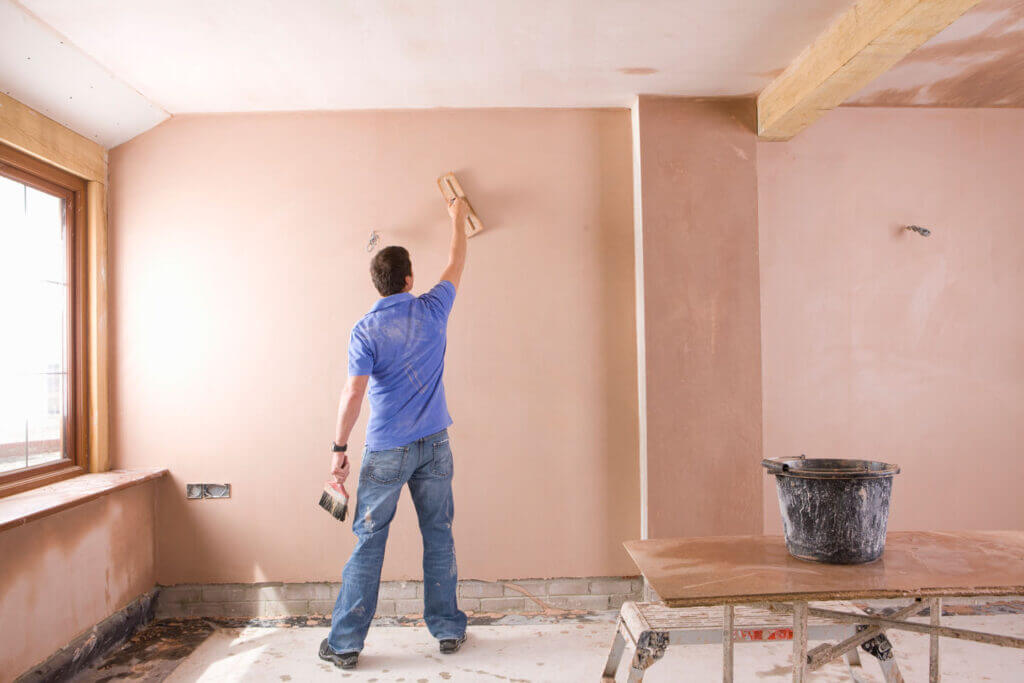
[(41, 303)]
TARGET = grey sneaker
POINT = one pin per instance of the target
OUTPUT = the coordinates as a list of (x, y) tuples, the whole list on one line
[(450, 646), (346, 660)]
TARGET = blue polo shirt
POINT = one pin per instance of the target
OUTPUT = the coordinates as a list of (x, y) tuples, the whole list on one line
[(400, 344)]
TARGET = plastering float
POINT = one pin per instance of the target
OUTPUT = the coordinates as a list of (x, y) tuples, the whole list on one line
[(450, 188)]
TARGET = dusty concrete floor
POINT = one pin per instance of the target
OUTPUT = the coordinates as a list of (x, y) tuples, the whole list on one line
[(518, 649)]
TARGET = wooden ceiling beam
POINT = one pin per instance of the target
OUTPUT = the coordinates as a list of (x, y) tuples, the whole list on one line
[(27, 130), (863, 43)]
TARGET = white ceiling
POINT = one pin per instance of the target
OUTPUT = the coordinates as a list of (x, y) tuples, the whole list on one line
[(260, 55), (42, 69), (111, 69)]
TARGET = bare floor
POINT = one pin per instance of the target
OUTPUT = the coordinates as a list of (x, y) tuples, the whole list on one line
[(567, 651)]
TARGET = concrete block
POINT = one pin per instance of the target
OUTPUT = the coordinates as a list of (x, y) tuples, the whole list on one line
[(205, 609), (240, 592), (393, 590), (616, 601), (480, 589), (239, 609), (386, 608), (223, 609), (503, 604), (168, 610), (585, 602), (323, 607), (181, 593), (469, 604), (534, 587), (283, 608), (611, 587), (228, 592), (569, 587), (408, 606), (308, 591)]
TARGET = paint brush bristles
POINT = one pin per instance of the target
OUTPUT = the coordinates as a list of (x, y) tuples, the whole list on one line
[(335, 500)]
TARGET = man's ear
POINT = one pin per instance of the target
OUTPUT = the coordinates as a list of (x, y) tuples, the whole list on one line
[(408, 282)]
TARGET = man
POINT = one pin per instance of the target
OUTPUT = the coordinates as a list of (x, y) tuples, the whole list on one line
[(397, 349)]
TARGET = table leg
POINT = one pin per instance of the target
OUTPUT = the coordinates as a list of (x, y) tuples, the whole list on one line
[(891, 671), (853, 664), (799, 642), (727, 628), (615, 656), (935, 610)]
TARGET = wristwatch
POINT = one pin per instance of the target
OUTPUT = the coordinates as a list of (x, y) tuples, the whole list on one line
[(335, 448)]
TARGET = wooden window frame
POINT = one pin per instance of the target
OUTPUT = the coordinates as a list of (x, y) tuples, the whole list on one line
[(75, 437)]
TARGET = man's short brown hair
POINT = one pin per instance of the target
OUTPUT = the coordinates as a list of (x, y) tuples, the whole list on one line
[(389, 268)]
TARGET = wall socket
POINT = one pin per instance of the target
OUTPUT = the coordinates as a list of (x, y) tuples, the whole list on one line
[(197, 491)]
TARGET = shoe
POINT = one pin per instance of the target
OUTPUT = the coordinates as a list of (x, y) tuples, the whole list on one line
[(450, 646), (346, 660)]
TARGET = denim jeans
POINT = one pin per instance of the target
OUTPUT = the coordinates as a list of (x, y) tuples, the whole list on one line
[(426, 465)]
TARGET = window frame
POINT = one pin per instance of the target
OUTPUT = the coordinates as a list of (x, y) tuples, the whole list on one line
[(75, 437)]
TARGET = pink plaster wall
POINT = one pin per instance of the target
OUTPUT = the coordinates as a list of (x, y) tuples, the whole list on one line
[(238, 267), (62, 574), (698, 184), (881, 344)]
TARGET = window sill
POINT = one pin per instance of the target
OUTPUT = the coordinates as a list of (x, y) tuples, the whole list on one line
[(22, 508)]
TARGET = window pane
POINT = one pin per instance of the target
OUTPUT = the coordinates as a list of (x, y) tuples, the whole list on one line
[(33, 334), (30, 425)]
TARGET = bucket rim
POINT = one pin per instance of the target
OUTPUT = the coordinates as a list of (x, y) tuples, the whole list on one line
[(791, 467)]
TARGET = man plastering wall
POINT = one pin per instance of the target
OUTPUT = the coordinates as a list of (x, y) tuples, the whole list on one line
[(397, 350)]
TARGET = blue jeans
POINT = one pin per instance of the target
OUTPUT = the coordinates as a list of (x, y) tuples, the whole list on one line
[(426, 465)]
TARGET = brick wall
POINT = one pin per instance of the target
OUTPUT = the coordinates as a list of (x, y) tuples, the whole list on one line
[(397, 598)]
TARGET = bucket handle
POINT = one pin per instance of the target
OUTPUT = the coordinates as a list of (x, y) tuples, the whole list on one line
[(777, 466)]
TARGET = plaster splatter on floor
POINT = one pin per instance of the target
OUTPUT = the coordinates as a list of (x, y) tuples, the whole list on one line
[(281, 650)]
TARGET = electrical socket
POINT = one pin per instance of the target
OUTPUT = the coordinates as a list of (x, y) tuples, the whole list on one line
[(216, 490), (197, 491)]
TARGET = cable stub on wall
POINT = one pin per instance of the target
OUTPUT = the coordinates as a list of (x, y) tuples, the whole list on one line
[(374, 241)]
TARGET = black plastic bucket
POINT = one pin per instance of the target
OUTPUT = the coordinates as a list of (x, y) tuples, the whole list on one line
[(833, 511)]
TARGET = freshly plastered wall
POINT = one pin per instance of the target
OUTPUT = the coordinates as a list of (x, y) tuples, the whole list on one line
[(62, 574), (882, 344), (696, 162), (239, 264)]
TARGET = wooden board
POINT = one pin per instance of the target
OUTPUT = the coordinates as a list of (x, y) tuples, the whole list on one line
[(98, 376), (449, 186), (742, 569)]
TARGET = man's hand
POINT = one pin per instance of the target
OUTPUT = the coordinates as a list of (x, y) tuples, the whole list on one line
[(458, 209), (339, 467)]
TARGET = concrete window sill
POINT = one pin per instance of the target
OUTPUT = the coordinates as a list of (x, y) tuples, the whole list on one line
[(22, 508)]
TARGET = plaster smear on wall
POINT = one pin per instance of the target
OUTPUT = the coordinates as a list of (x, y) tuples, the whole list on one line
[(882, 344), (66, 572), (239, 264)]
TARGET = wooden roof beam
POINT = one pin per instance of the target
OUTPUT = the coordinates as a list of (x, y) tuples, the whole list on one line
[(863, 43)]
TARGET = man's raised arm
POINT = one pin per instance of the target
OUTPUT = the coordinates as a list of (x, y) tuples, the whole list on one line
[(458, 209)]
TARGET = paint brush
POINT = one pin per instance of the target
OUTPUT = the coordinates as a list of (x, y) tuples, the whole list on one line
[(335, 500)]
